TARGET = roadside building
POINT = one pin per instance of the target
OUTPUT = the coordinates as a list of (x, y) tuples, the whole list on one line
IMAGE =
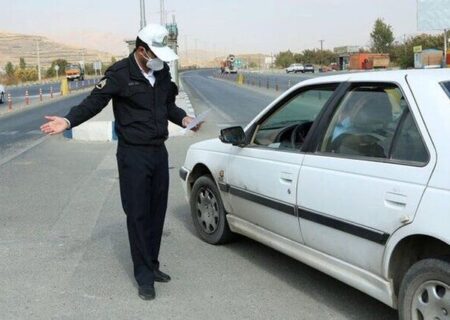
[(344, 54), (428, 58)]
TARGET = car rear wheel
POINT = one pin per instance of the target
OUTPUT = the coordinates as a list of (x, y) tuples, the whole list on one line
[(208, 213), (425, 291)]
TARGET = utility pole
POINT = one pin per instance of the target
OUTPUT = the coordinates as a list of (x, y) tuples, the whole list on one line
[(445, 48), (321, 49), (404, 43), (162, 12), (142, 9), (186, 49), (195, 50), (38, 59)]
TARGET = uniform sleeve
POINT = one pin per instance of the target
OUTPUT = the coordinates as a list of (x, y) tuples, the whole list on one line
[(99, 97), (176, 114)]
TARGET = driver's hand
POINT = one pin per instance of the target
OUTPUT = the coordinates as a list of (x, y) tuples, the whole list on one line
[(55, 125)]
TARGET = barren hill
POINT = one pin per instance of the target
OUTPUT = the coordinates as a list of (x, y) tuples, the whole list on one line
[(14, 46)]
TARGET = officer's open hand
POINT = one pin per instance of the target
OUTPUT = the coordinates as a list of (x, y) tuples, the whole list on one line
[(55, 125), (187, 120)]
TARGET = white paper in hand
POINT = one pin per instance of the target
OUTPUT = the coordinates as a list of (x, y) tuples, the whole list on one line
[(197, 120)]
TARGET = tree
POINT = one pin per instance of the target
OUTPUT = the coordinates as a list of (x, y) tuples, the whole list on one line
[(27, 74), (89, 69), (51, 72), (284, 59), (9, 69), (22, 64), (403, 55), (382, 37)]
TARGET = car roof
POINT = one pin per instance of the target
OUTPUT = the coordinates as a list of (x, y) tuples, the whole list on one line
[(437, 75)]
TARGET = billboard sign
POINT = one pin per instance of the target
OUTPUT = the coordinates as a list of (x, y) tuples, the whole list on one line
[(433, 15)]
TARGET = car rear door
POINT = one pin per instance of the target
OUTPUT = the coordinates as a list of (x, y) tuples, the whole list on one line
[(367, 174)]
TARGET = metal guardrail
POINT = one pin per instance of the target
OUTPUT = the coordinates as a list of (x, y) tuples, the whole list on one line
[(44, 93)]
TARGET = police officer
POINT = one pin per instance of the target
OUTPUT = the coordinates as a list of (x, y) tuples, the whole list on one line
[(143, 101)]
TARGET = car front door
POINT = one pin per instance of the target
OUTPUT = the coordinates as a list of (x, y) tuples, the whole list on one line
[(366, 176), (263, 176)]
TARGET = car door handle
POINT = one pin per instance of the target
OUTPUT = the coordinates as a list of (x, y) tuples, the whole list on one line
[(286, 177), (395, 200)]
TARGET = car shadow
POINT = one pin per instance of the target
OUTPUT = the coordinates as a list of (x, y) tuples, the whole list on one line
[(322, 288)]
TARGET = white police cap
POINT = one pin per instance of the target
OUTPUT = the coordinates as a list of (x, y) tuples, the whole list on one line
[(155, 36)]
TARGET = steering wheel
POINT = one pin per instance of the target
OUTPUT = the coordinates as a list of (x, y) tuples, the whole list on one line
[(299, 133)]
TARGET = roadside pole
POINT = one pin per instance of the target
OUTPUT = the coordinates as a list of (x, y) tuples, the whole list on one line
[(444, 65)]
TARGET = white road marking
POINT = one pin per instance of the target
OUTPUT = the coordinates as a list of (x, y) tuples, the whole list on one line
[(23, 150), (8, 133)]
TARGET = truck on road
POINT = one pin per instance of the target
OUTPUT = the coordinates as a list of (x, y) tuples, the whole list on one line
[(74, 71), (229, 64)]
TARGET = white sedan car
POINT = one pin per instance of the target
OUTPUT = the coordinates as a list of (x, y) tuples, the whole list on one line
[(295, 67), (349, 174)]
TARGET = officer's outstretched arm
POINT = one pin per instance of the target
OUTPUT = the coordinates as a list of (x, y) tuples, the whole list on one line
[(104, 90)]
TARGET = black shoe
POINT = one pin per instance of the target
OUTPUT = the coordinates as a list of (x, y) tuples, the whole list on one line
[(161, 276), (147, 292)]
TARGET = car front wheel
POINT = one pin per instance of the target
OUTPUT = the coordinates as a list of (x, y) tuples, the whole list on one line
[(208, 213), (425, 291)]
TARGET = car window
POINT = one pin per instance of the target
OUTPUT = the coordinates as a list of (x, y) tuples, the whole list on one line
[(365, 122), (408, 145), (288, 126), (446, 86)]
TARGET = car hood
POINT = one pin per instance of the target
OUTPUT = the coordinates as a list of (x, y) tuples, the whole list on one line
[(210, 144)]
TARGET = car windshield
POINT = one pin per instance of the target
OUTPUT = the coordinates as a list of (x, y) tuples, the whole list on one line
[(446, 86), (302, 108), (72, 66)]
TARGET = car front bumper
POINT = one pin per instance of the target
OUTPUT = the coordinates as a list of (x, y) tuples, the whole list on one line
[(184, 174)]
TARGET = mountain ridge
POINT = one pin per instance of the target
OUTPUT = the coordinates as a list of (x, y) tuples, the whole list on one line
[(14, 46)]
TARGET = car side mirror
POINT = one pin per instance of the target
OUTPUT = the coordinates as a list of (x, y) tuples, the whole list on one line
[(233, 135)]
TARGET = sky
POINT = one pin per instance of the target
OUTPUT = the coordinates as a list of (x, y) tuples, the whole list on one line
[(220, 26)]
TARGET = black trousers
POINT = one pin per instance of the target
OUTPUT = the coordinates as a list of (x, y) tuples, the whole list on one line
[(144, 186)]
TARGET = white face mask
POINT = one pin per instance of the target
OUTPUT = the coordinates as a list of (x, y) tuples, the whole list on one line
[(154, 64)]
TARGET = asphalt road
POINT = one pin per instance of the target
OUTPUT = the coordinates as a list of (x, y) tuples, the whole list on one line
[(20, 129), (64, 250)]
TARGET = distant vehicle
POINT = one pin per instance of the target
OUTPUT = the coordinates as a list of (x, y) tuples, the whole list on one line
[(2, 94), (295, 67), (346, 173), (74, 72), (332, 67), (308, 68), (229, 64)]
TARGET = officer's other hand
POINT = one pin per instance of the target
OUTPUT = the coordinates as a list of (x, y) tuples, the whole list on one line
[(187, 120), (55, 125)]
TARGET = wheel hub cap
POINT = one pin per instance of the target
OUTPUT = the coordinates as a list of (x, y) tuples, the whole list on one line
[(207, 210), (431, 301)]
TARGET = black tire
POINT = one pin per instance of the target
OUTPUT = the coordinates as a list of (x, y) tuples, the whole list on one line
[(425, 291), (2, 98), (208, 213)]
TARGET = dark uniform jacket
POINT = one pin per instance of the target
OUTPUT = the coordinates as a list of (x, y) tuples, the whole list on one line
[(141, 111)]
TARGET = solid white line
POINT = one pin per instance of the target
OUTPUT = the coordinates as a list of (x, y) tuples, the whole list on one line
[(19, 152), (8, 133)]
